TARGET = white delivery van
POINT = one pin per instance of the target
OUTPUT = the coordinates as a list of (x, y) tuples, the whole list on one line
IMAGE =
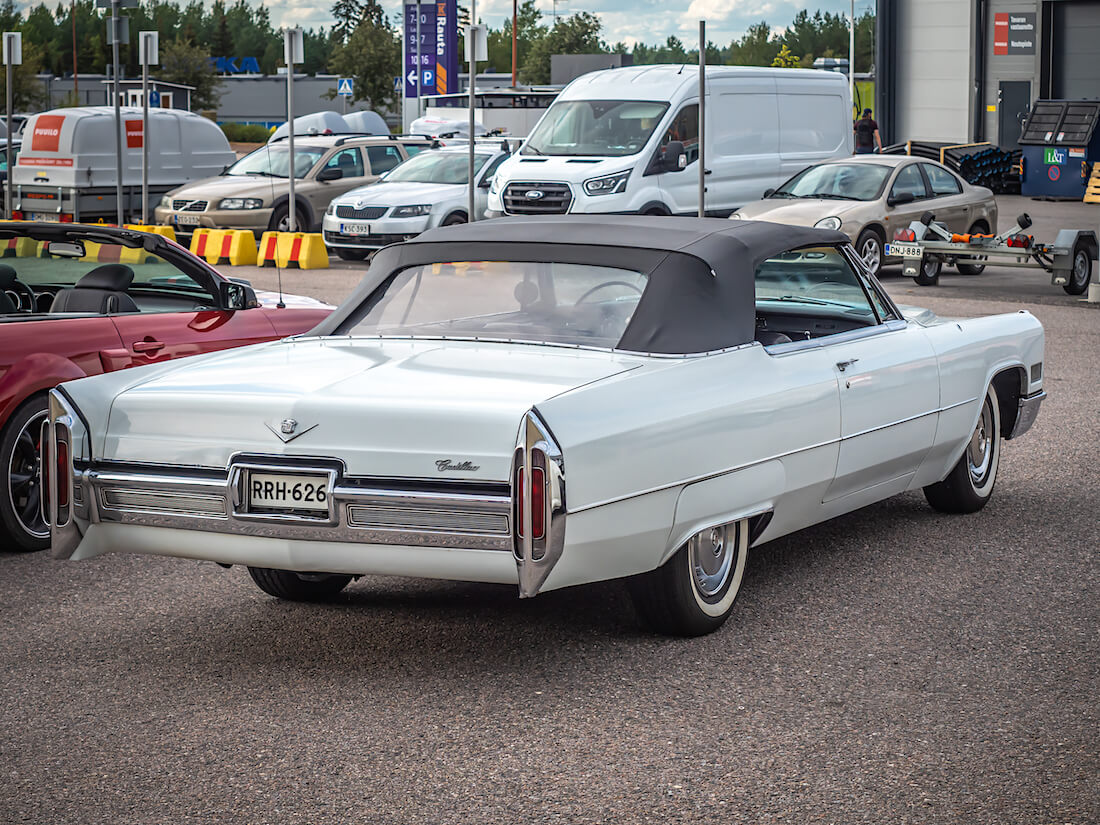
[(627, 140), (67, 168)]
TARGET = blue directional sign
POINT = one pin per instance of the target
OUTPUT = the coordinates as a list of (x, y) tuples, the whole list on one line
[(154, 98), (437, 67), (345, 87)]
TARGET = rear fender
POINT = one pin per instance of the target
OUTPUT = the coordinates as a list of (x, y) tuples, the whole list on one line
[(36, 373), (748, 493)]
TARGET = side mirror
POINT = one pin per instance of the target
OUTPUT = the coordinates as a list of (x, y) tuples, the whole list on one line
[(768, 193), (237, 296), (675, 157), (330, 173), (902, 197)]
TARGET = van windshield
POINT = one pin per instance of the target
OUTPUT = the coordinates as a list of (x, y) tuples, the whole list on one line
[(606, 128), (274, 161)]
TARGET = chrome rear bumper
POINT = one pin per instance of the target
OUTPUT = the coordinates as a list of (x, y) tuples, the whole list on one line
[(363, 511), (1026, 413)]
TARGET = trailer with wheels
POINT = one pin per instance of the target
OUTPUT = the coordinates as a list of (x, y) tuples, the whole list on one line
[(926, 245)]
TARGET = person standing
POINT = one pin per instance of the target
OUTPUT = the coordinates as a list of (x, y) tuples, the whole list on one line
[(867, 136)]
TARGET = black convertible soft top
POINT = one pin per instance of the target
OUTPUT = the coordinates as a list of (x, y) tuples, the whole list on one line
[(700, 294)]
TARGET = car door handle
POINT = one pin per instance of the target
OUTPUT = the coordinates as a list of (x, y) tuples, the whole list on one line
[(843, 365), (148, 346)]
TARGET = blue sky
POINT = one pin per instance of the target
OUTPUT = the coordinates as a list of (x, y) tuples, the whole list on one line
[(649, 21)]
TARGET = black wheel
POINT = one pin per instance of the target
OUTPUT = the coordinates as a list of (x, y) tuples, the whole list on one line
[(452, 220), (969, 485), (972, 268), (693, 592), (298, 587), (280, 219), (350, 254), (20, 489), (1081, 273), (869, 248), (929, 272)]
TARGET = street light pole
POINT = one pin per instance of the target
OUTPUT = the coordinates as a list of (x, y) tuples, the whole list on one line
[(115, 37), (292, 42), (13, 56), (149, 48), (471, 44), (852, 56)]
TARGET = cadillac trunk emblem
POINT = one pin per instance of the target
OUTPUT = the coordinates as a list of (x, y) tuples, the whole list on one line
[(445, 464), (287, 428)]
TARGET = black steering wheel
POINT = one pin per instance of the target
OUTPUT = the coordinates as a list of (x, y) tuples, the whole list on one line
[(27, 300), (605, 284)]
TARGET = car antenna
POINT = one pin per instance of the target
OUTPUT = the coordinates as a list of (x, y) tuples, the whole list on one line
[(271, 183)]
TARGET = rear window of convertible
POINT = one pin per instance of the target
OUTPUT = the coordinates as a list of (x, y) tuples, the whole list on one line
[(506, 300)]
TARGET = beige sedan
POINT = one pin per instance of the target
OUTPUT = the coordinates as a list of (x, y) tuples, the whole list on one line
[(868, 197)]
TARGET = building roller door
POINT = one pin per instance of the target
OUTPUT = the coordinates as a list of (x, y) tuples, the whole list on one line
[(1075, 57)]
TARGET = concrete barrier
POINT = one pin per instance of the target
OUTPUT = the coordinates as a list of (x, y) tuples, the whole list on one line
[(236, 247), (167, 231), (293, 250)]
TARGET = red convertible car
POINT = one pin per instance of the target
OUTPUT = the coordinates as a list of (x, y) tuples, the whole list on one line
[(80, 300)]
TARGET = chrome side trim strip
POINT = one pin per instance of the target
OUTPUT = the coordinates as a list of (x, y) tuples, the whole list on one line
[(765, 460)]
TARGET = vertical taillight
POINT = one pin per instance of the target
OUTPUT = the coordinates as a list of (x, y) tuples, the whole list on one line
[(57, 473), (538, 502), (64, 476)]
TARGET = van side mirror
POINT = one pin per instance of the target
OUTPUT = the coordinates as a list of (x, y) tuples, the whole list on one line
[(235, 295), (675, 157), (901, 197), (330, 173), (768, 193)]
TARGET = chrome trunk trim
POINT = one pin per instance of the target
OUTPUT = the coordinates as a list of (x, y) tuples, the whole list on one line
[(360, 512)]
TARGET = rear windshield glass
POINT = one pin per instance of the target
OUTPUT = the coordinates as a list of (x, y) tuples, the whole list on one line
[(836, 181), (274, 161), (506, 300), (435, 167)]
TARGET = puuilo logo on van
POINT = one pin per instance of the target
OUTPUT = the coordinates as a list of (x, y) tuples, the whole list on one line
[(46, 136)]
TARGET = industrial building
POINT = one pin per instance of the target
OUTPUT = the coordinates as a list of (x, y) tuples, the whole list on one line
[(969, 70)]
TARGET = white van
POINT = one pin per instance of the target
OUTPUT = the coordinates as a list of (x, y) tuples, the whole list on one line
[(67, 167), (627, 140)]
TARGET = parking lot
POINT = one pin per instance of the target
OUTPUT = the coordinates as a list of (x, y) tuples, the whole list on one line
[(895, 665)]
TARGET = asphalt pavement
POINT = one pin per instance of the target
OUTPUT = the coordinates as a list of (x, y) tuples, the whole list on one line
[(892, 666)]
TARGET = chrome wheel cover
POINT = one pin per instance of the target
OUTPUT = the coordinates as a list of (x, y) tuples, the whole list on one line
[(711, 554), (24, 479), (871, 253), (979, 452)]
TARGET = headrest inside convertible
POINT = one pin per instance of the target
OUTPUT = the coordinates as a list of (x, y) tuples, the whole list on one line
[(103, 290)]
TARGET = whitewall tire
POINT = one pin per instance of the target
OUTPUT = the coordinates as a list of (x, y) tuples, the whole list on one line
[(693, 592)]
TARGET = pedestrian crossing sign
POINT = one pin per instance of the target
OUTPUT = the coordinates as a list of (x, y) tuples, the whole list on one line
[(344, 87)]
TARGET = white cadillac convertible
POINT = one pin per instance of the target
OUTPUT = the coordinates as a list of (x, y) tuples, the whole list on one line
[(548, 402)]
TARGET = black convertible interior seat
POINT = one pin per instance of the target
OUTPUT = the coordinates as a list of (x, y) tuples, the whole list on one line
[(103, 290), (7, 278)]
